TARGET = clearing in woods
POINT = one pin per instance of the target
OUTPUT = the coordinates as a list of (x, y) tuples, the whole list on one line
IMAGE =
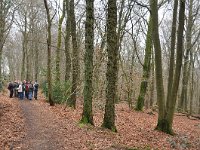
[(34, 125)]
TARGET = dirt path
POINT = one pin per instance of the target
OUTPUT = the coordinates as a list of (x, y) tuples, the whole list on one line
[(41, 127)]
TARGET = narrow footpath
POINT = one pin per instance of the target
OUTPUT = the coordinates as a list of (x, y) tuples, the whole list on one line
[(41, 127)]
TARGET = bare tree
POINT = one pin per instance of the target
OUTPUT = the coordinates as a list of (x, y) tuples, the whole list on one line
[(49, 76), (111, 75)]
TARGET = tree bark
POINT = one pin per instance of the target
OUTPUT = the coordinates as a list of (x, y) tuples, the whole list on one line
[(146, 68), (152, 80), (158, 65), (179, 56), (75, 62), (111, 75), (191, 83), (49, 76), (172, 50), (67, 44), (186, 70), (59, 42), (87, 116), (4, 7), (36, 69)]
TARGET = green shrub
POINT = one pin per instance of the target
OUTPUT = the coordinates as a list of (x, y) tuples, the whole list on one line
[(60, 91), (45, 88)]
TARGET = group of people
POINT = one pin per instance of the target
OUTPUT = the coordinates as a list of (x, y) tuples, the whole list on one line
[(23, 89)]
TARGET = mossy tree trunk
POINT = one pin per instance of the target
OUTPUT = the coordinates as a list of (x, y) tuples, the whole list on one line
[(165, 115), (186, 71), (4, 29), (24, 48), (152, 81), (49, 76), (87, 116), (75, 62), (172, 50), (67, 44), (27, 60), (111, 74), (146, 68), (179, 56), (36, 68), (2, 36), (191, 82), (23, 55), (158, 65), (59, 40)]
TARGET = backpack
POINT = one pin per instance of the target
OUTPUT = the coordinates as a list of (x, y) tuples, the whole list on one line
[(36, 86), (10, 86)]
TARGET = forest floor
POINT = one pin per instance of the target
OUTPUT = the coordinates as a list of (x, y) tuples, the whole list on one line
[(34, 125)]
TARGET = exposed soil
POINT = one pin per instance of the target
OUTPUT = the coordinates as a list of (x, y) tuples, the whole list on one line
[(35, 125)]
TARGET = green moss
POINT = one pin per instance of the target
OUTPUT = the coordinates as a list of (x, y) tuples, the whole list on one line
[(81, 125), (140, 103), (114, 129), (164, 126), (84, 120)]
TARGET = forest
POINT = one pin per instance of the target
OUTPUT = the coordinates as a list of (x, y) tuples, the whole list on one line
[(125, 61)]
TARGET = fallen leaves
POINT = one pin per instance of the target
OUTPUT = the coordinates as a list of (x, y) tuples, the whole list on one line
[(135, 129), (11, 123)]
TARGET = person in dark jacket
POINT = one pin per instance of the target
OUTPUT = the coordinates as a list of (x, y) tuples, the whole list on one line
[(30, 91), (15, 88), (26, 89), (35, 87), (11, 88), (23, 88)]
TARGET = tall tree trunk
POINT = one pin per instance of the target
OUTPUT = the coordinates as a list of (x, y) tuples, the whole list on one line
[(24, 48), (87, 116), (23, 55), (179, 56), (2, 26), (186, 71), (3, 9), (75, 62), (158, 65), (36, 69), (152, 80), (146, 68), (191, 83), (172, 49), (27, 61), (111, 75), (67, 43), (49, 76), (59, 42)]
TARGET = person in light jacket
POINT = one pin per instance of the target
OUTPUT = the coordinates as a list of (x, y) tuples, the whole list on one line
[(20, 91)]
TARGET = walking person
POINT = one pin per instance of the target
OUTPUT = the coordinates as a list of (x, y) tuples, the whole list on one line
[(35, 87), (30, 91), (15, 88), (23, 88), (11, 88), (26, 89), (20, 91)]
